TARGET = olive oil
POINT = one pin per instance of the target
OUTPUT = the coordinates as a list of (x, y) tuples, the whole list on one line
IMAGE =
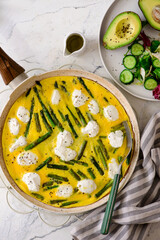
[(74, 43)]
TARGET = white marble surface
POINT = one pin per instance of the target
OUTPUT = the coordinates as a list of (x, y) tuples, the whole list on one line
[(32, 33)]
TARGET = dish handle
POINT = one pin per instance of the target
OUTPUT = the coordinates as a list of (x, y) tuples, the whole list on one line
[(9, 69)]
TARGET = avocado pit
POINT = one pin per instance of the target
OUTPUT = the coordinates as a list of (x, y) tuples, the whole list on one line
[(156, 13)]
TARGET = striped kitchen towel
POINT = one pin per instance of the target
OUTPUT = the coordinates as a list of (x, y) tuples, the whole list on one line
[(138, 204)]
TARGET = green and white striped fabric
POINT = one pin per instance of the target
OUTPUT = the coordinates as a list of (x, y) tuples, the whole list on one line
[(138, 204)]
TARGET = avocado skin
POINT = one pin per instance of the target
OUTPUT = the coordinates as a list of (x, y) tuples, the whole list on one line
[(124, 41), (149, 18)]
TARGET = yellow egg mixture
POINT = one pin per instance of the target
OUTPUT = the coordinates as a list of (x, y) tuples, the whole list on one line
[(45, 149)]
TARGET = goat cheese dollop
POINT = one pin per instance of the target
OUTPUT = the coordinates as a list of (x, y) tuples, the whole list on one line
[(64, 190), (111, 113), (23, 114), (21, 141), (14, 126), (27, 158), (78, 98), (92, 129), (86, 186), (116, 138), (93, 107), (113, 168), (64, 139), (32, 180), (56, 97), (66, 154)]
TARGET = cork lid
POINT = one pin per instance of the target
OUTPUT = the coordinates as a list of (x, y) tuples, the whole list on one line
[(9, 69)]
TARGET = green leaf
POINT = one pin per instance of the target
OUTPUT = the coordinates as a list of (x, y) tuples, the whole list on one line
[(154, 45), (157, 73), (145, 62)]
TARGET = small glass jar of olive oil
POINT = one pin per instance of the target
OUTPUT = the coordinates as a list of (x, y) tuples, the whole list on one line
[(74, 44)]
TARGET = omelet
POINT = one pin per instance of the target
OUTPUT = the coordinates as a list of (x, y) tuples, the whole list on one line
[(63, 141)]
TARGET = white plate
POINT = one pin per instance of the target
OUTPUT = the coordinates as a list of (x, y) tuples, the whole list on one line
[(112, 59)]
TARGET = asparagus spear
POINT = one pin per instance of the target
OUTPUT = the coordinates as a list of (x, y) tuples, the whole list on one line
[(62, 116), (29, 122), (81, 117), (38, 83), (55, 166), (74, 117), (95, 163), (50, 187), (74, 174), (37, 195), (64, 89), (50, 183), (91, 173), (81, 151), (57, 177), (103, 137), (90, 118), (69, 162), (128, 160), (57, 122), (47, 184), (81, 174), (57, 201), (118, 127), (95, 150), (56, 84), (71, 126), (28, 92), (44, 163), (48, 127), (37, 141), (102, 157), (84, 85), (103, 148), (80, 163), (106, 99), (38, 125), (68, 203), (44, 108), (109, 184)]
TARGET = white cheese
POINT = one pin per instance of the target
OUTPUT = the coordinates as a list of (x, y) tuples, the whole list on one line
[(66, 154), (78, 98), (27, 158), (21, 141), (92, 129), (93, 107), (64, 139), (111, 113), (64, 190), (116, 138), (23, 114), (56, 97), (113, 168), (143, 73), (32, 180), (14, 126), (86, 186)]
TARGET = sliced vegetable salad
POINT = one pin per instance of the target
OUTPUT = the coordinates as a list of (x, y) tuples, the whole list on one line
[(142, 64)]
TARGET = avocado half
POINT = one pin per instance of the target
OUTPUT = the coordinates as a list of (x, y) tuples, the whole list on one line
[(151, 11), (123, 30)]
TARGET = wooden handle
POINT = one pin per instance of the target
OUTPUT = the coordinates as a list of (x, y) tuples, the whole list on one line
[(110, 205), (9, 69)]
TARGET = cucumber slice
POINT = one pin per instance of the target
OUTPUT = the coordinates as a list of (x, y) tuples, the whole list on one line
[(150, 83), (129, 62), (137, 49), (156, 63), (126, 76)]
